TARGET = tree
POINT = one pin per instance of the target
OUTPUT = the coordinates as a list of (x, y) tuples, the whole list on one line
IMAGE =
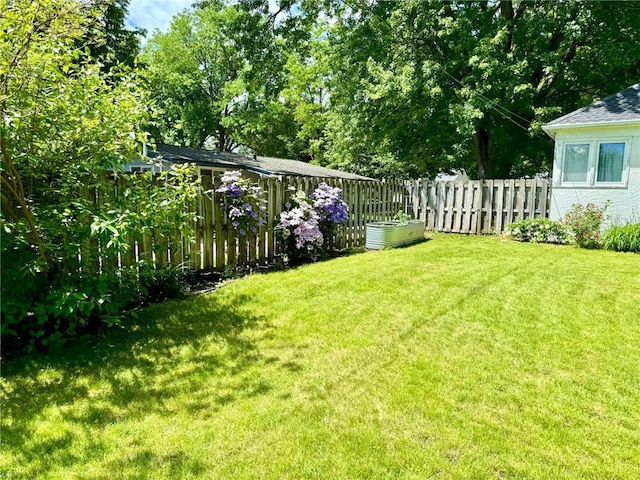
[(436, 85), (307, 94), (216, 77), (108, 39)]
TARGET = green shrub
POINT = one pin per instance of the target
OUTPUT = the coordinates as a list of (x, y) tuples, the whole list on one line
[(44, 315), (584, 222), (538, 230), (623, 238), (46, 311), (78, 284)]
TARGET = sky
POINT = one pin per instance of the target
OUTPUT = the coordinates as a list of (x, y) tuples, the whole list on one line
[(152, 14)]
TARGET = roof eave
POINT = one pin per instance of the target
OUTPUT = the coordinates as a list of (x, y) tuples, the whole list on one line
[(551, 129)]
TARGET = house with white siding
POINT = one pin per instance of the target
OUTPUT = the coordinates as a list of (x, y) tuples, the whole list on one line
[(597, 157)]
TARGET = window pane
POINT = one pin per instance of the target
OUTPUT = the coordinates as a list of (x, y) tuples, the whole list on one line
[(576, 162), (610, 162)]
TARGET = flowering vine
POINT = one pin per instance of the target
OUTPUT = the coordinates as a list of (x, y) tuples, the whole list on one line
[(309, 224), (329, 204), (242, 201)]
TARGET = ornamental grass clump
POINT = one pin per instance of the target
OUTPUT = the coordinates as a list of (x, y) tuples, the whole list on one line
[(623, 238), (584, 222), (243, 203)]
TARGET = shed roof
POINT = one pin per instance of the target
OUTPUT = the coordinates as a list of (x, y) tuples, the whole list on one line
[(256, 164), (620, 108)]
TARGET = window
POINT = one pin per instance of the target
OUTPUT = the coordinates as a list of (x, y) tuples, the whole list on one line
[(595, 163), (141, 169), (610, 163), (576, 163)]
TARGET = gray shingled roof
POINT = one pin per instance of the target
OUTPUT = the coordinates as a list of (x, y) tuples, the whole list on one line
[(256, 164), (621, 107)]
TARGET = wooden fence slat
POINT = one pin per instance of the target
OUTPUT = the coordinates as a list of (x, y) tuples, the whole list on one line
[(543, 205), (279, 199), (208, 220), (232, 247), (489, 207), (477, 227), (458, 207), (522, 195), (499, 206), (531, 199), (450, 189), (510, 198), (423, 199), (431, 204), (360, 214)]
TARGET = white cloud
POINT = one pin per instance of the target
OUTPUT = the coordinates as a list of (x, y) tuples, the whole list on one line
[(152, 14)]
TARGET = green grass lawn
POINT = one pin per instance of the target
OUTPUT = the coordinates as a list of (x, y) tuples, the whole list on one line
[(461, 357)]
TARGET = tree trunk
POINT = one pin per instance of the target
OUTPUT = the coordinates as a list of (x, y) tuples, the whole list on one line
[(506, 11), (481, 151)]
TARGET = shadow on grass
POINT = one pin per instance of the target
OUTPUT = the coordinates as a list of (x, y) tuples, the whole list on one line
[(163, 362)]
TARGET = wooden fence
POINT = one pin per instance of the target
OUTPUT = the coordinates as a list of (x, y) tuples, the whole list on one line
[(462, 207), (216, 245), (477, 206)]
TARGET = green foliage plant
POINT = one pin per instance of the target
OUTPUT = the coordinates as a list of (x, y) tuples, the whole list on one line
[(402, 217), (538, 230), (622, 238), (585, 222), (68, 215)]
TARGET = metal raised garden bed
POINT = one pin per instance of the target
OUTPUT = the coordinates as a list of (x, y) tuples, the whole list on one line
[(394, 233)]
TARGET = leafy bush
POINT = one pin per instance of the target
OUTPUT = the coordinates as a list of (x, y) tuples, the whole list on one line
[(68, 216), (623, 238), (584, 222), (538, 230), (82, 286)]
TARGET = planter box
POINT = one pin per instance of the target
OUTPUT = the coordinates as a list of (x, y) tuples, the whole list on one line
[(394, 234)]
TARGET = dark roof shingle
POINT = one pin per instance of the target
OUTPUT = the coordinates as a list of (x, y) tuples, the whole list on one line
[(257, 164), (620, 107)]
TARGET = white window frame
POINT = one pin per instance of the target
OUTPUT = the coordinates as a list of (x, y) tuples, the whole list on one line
[(141, 168), (563, 152), (594, 154), (625, 164)]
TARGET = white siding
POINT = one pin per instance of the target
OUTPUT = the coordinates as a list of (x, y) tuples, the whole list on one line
[(625, 200)]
